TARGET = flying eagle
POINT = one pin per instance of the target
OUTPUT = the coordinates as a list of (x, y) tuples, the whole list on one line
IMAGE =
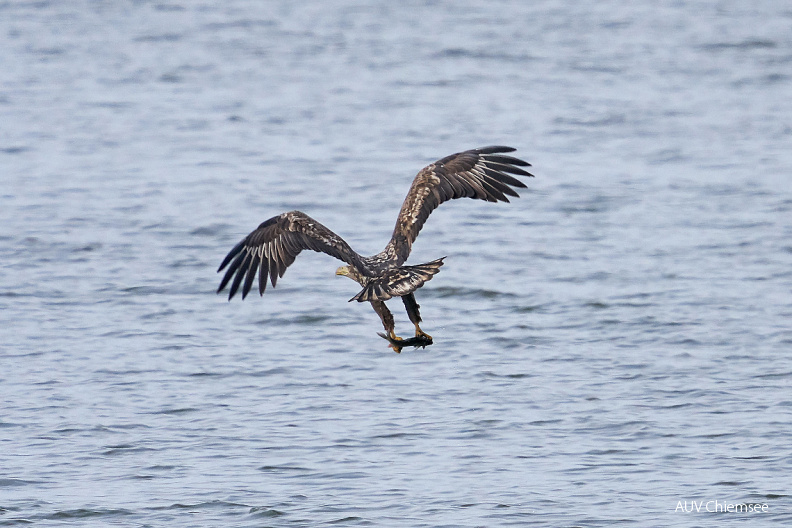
[(483, 174)]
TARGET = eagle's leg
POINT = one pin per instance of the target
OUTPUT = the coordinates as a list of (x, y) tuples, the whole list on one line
[(386, 317), (415, 316)]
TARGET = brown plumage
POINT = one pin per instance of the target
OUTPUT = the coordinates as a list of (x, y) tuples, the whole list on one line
[(483, 174)]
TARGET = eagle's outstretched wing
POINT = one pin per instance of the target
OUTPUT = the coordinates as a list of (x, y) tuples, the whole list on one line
[(273, 246), (479, 173)]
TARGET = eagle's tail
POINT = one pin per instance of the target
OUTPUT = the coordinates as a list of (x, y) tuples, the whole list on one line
[(399, 281)]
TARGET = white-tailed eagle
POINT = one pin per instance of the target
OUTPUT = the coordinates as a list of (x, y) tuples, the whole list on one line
[(483, 174)]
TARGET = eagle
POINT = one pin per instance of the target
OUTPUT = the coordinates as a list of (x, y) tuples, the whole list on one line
[(484, 174)]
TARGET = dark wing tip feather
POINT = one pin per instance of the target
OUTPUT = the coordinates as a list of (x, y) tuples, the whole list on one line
[(505, 167), (494, 149), (507, 159), (240, 274), (263, 272), (503, 178), (230, 271), (251, 275), (231, 254)]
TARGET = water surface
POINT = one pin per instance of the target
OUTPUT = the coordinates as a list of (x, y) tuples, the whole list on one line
[(614, 342)]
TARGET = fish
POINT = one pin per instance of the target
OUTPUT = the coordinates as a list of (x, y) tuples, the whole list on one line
[(397, 344)]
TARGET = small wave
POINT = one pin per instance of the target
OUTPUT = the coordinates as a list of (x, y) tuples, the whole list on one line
[(283, 468), (346, 520), (164, 37), (178, 410), (463, 53), (82, 513), (401, 434), (774, 375), (13, 482), (516, 375), (265, 373), (527, 309), (458, 291), (602, 121), (200, 506), (751, 44), (303, 319), (14, 150), (246, 23), (144, 290), (124, 449), (210, 230), (262, 511), (545, 422)]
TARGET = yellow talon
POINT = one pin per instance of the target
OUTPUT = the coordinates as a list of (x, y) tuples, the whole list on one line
[(392, 335), (421, 333)]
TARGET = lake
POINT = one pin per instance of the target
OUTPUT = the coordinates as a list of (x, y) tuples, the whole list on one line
[(613, 344)]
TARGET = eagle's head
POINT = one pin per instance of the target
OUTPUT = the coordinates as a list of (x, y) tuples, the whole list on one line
[(352, 273)]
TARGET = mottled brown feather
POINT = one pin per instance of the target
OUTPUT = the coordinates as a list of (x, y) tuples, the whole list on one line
[(479, 173), (273, 246)]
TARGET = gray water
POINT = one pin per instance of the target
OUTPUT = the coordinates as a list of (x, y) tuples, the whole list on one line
[(614, 342)]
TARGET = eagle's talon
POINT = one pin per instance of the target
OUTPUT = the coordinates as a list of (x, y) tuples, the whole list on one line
[(394, 337), (393, 341), (419, 333)]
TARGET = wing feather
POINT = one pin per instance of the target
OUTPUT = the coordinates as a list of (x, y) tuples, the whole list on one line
[(251, 273), (483, 174), (503, 178), (497, 184), (273, 246), (237, 257), (263, 272), (239, 276), (502, 167), (508, 160)]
